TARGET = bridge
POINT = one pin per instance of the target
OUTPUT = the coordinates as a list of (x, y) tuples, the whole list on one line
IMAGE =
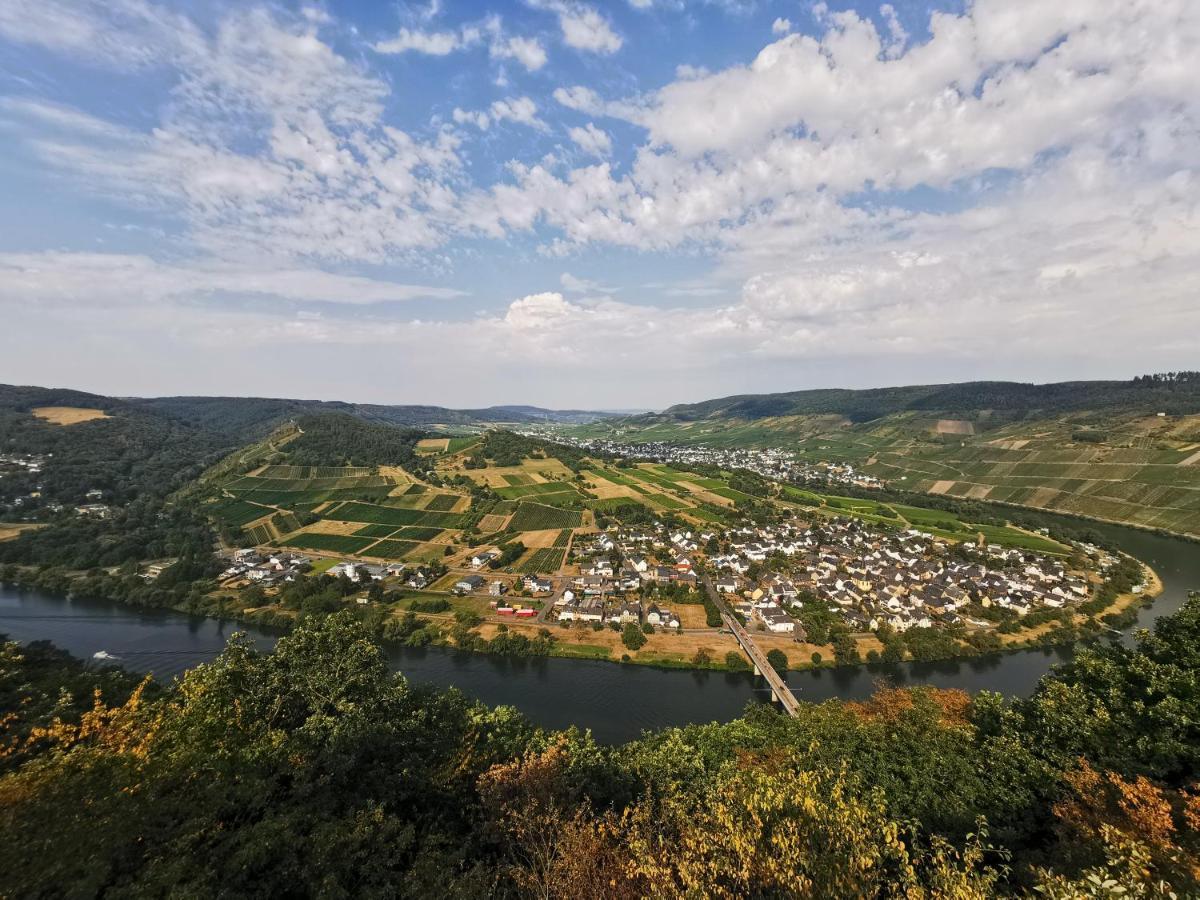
[(780, 692)]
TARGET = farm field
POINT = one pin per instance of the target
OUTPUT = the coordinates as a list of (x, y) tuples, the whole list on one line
[(383, 513), (536, 517), (330, 543), (545, 561), (1129, 468), (68, 415)]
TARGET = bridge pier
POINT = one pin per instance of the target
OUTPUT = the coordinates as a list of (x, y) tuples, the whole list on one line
[(774, 696), (756, 670)]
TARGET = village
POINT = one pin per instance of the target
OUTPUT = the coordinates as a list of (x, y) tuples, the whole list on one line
[(838, 574), (773, 463)]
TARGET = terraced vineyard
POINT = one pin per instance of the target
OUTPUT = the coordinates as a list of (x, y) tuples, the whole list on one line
[(1140, 469), (385, 514)]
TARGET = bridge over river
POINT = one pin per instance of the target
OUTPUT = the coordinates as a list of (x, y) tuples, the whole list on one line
[(780, 692)]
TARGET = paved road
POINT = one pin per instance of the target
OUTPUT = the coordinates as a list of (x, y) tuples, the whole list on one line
[(779, 689)]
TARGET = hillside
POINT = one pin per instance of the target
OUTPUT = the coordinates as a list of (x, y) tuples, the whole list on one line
[(248, 417), (1122, 451)]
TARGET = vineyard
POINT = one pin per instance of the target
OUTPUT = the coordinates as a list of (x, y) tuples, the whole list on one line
[(547, 560), (330, 543), (536, 517)]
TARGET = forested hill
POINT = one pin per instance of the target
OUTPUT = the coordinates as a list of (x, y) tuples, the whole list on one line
[(1172, 393), (244, 419), (252, 417)]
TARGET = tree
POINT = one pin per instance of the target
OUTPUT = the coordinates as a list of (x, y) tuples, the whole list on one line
[(816, 658), (736, 662), (632, 637), (771, 828), (845, 650), (778, 660)]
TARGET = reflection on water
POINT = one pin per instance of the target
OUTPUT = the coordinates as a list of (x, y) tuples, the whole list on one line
[(616, 701)]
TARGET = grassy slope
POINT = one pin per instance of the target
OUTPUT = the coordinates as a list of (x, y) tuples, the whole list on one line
[(1134, 474)]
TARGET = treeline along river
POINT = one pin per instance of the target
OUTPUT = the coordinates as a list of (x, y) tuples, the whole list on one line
[(617, 702)]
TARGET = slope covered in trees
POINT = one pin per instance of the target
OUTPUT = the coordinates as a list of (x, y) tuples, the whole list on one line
[(1177, 393), (313, 770)]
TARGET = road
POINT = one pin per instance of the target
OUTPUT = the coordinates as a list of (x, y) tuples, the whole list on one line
[(779, 689)]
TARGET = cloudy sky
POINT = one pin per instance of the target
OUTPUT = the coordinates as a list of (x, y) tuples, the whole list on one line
[(612, 204)]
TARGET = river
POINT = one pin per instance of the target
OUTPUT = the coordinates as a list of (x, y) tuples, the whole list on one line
[(617, 702)]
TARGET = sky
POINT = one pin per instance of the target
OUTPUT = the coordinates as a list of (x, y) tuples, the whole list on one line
[(573, 203)]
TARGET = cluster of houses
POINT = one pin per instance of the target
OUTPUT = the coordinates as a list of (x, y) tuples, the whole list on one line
[(773, 463), (615, 569), (905, 580), (271, 568), (26, 462), (266, 569)]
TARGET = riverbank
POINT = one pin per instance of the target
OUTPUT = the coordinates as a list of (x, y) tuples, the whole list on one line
[(695, 648), (616, 702)]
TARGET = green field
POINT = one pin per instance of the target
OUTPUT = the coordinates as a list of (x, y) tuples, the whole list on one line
[(516, 492), (376, 531), (536, 517), (386, 515), (393, 549), (302, 472), (1129, 469), (545, 561), (611, 503), (236, 512), (417, 533), (443, 502)]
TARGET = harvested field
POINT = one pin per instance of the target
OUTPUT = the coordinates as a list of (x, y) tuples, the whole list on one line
[(955, 426), (331, 543), (491, 523), (9, 532), (68, 415)]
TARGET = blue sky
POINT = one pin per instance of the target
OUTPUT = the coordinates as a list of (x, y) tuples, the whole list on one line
[(619, 204)]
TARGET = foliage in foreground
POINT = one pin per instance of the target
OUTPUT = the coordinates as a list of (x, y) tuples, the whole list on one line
[(313, 770)]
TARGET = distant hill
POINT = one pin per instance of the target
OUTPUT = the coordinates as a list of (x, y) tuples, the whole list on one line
[(1122, 451), (247, 418), (1176, 395)]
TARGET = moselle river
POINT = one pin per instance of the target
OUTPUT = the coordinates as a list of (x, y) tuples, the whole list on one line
[(617, 702)]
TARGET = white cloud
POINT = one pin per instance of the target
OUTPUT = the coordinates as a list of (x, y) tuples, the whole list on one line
[(582, 285), (476, 117), (592, 140), (104, 280), (1002, 193), (582, 26), (125, 34), (272, 145), (781, 26), (431, 43), (521, 110), (527, 51)]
